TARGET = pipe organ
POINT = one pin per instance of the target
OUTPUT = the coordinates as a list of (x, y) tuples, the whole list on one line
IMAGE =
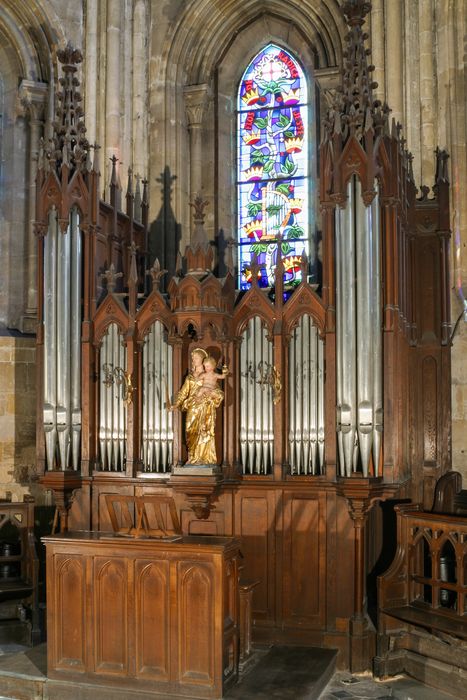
[(303, 461)]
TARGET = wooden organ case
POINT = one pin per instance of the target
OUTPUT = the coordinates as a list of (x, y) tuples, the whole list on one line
[(334, 402)]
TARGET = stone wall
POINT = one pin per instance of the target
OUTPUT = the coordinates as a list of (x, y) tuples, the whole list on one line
[(18, 418)]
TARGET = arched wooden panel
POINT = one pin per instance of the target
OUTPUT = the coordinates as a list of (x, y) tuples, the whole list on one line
[(110, 582), (152, 581), (70, 624), (196, 622)]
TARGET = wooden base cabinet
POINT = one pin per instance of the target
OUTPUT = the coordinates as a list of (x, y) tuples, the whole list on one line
[(144, 614)]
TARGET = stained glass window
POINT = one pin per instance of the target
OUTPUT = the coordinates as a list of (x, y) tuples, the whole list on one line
[(272, 166)]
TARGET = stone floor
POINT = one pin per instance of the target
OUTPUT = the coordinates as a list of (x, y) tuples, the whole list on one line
[(281, 673), (344, 686)]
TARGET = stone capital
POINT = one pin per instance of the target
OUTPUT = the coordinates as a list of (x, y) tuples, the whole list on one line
[(32, 97), (197, 98)]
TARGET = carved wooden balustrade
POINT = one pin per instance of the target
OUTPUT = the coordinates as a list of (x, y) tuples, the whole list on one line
[(423, 596)]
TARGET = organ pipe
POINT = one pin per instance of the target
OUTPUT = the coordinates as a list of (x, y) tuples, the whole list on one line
[(346, 331), (358, 331), (112, 406), (50, 376), (157, 435), (377, 337), (256, 400), (62, 343), (306, 399), (365, 306)]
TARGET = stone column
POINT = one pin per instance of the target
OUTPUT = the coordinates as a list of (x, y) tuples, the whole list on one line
[(196, 100), (412, 86), (127, 68), (394, 53), (34, 99), (427, 84), (140, 82), (377, 48), (91, 69), (112, 85)]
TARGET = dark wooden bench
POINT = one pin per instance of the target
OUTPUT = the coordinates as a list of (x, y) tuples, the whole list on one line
[(422, 597)]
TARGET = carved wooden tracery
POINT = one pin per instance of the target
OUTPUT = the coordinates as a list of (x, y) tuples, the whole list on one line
[(287, 503)]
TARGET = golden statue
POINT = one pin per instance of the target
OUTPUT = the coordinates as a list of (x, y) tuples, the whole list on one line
[(199, 397)]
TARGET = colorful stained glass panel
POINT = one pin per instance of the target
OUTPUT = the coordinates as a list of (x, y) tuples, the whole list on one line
[(272, 166)]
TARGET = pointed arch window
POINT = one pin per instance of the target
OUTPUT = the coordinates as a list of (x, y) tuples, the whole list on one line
[(273, 166)]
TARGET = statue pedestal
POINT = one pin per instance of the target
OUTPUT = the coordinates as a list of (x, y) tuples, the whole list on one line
[(197, 470), (200, 486)]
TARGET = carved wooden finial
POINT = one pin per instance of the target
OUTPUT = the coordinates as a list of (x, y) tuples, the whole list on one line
[(229, 255), (156, 274), (110, 276), (199, 205), (69, 144), (255, 268), (133, 276), (199, 254), (304, 266), (113, 176)]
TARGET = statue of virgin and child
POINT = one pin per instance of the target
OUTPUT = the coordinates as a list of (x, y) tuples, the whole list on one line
[(199, 398)]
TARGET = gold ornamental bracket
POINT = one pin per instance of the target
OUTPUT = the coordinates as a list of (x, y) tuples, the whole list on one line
[(267, 374), (120, 377)]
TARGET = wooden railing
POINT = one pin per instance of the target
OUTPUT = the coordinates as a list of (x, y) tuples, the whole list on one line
[(426, 585)]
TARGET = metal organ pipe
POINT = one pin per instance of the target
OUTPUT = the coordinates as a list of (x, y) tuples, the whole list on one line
[(377, 322), (358, 330), (62, 343), (75, 337), (256, 405), (268, 397), (310, 460), (339, 341), (306, 399), (120, 407), (320, 382), (112, 431), (157, 420), (347, 329), (365, 306), (293, 395), (50, 375)]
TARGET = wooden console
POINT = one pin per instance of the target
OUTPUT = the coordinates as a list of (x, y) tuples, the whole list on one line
[(143, 614)]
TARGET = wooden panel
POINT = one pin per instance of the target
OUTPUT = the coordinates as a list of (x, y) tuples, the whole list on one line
[(218, 523), (303, 561), (429, 293), (196, 622), (430, 411), (111, 615), (152, 581), (255, 523), (70, 624)]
